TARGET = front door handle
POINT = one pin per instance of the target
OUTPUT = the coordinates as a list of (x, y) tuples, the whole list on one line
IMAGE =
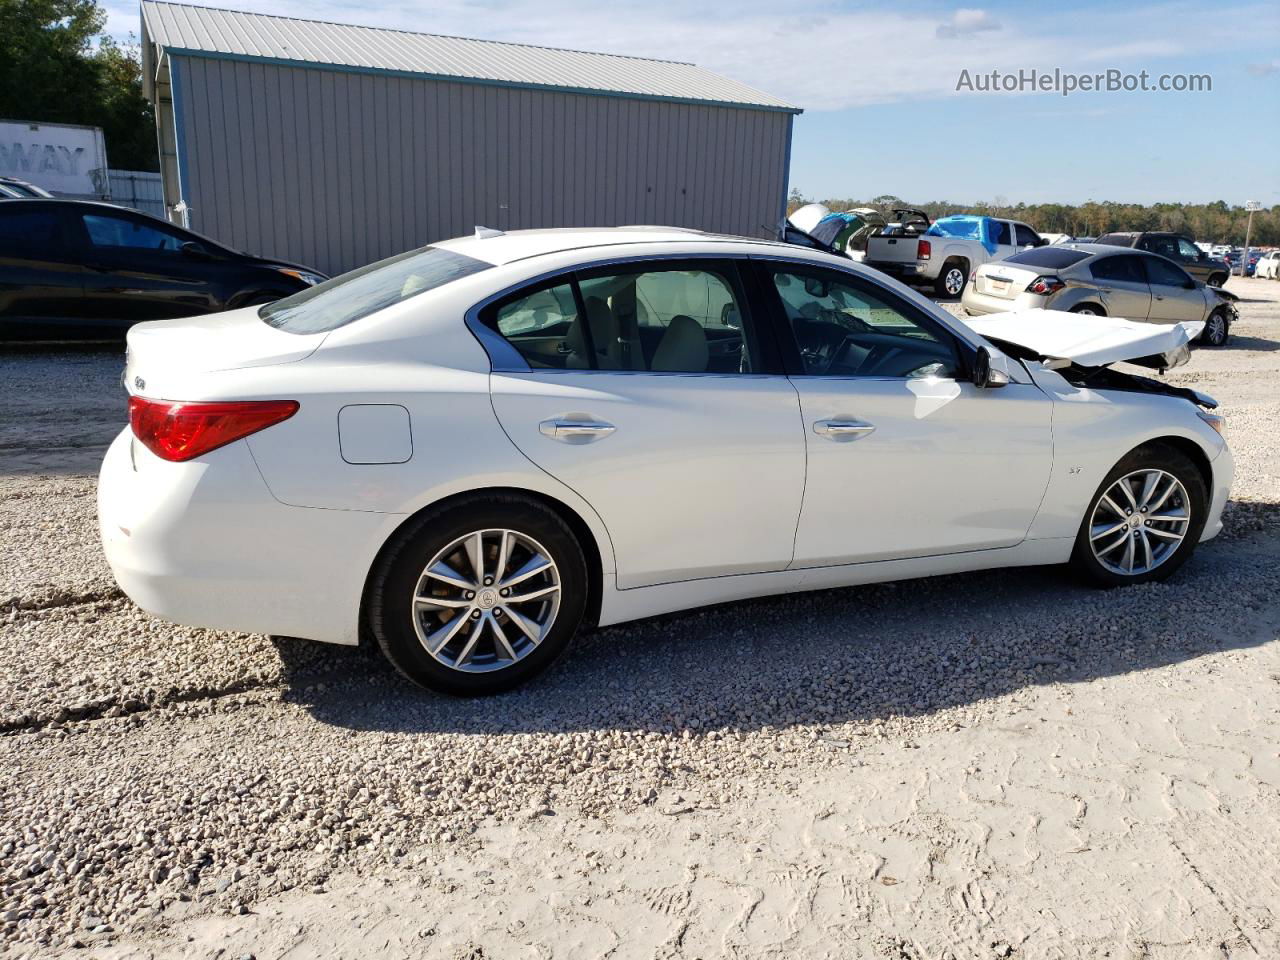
[(842, 430), (575, 430)]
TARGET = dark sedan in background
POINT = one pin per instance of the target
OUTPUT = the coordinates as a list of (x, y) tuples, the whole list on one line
[(76, 270)]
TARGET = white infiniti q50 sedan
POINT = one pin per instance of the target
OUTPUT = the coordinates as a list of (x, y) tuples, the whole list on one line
[(469, 450)]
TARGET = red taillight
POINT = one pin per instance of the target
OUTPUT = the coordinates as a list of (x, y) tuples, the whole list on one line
[(182, 431), (924, 249), (1043, 286)]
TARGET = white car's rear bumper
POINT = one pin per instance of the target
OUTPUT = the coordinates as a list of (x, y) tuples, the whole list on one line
[(205, 544)]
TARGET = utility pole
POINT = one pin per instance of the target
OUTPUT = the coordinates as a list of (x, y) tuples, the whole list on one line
[(1252, 206)]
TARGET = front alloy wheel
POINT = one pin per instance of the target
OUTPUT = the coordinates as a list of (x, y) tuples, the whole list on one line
[(1139, 522), (1145, 519), (1215, 329)]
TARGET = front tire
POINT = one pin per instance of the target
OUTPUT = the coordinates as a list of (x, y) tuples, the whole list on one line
[(1216, 330), (1145, 519), (479, 595), (1216, 279)]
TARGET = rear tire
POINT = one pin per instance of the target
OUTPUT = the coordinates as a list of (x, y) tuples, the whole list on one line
[(486, 641), (952, 278), (1101, 554), (1217, 329), (1089, 310)]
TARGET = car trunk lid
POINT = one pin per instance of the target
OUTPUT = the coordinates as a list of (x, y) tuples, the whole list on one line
[(1003, 280), (164, 355)]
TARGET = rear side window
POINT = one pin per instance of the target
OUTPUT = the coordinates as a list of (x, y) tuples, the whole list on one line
[(1000, 233), (1118, 268), (1115, 240), (657, 318), (28, 234), (357, 294), (1052, 258)]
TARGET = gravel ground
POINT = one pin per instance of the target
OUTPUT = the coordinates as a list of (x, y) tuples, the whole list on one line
[(996, 764)]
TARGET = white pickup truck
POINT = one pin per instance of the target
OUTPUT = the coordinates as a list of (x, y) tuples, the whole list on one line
[(946, 252)]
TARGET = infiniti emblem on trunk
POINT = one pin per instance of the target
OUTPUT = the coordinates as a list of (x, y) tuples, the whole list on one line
[(139, 383)]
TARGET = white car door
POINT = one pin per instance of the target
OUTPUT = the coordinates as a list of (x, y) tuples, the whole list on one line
[(904, 460), (643, 392)]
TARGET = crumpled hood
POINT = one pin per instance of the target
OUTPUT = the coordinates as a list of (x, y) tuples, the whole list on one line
[(1090, 341)]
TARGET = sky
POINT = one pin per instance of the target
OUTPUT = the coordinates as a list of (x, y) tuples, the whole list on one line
[(878, 84)]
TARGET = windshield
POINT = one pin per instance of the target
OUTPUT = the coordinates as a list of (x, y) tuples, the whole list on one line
[(354, 295)]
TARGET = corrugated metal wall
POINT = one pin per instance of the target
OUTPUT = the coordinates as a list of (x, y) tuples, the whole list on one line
[(336, 169)]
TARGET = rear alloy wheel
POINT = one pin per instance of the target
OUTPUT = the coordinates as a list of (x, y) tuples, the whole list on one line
[(1144, 521), (952, 279), (1215, 330), (1088, 310), (479, 597)]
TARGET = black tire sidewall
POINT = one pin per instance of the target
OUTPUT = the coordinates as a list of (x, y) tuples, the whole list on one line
[(392, 590), (1160, 456), (1226, 329)]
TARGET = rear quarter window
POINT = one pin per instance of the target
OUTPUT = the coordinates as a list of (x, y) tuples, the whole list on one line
[(355, 295), (1054, 258)]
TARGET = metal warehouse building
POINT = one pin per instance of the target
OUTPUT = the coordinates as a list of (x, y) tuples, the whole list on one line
[(335, 145)]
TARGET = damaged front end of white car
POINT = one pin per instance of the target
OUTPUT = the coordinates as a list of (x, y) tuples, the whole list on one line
[(1083, 348)]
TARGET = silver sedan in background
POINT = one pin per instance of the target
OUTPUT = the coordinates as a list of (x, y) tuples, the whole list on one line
[(1100, 280)]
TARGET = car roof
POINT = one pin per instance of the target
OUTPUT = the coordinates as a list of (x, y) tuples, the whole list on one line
[(1099, 249), (499, 247)]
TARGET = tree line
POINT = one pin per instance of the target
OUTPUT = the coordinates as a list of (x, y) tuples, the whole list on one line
[(57, 66), (1215, 222)]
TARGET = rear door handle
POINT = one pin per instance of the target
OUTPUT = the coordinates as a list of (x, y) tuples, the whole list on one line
[(842, 430), (575, 431)]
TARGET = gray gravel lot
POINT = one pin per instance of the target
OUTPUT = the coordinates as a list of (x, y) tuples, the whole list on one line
[(995, 764)]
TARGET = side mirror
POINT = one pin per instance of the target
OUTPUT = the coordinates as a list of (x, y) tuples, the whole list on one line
[(1042, 242), (196, 251), (983, 374)]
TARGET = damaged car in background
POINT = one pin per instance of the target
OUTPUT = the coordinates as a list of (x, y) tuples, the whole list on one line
[(1100, 280)]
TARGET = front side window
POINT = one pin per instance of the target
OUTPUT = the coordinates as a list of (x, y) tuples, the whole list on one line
[(1126, 268), (843, 328), (355, 295), (1026, 236), (1164, 272), (1188, 250), (108, 231)]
